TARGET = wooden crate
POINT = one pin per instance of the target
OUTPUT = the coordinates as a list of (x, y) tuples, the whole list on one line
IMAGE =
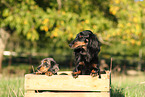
[(67, 86)]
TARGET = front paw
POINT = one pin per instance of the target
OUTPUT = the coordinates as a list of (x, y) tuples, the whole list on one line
[(48, 73), (99, 76), (38, 73), (75, 75), (93, 74)]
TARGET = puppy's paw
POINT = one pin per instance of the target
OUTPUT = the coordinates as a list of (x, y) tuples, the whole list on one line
[(93, 74), (48, 73), (99, 76), (75, 75), (38, 73)]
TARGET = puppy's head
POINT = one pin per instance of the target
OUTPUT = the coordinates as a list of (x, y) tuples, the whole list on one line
[(80, 41), (86, 39), (46, 64)]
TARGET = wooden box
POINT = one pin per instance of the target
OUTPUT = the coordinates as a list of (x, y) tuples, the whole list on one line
[(67, 86)]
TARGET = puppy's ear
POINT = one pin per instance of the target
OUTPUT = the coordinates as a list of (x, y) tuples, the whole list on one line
[(94, 44), (93, 47)]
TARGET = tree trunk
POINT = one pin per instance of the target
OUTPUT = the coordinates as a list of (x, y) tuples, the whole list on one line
[(1, 58), (59, 4), (3, 41)]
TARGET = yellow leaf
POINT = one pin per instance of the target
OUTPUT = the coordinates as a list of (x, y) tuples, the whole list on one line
[(46, 28), (139, 34), (62, 22), (87, 21), (45, 21), (29, 35), (124, 37), (132, 41), (25, 22), (129, 24), (94, 26), (123, 42), (128, 31), (114, 34), (118, 33), (135, 19), (128, 36), (137, 27), (138, 43), (121, 25), (55, 34), (70, 35), (114, 12), (117, 1), (63, 13)]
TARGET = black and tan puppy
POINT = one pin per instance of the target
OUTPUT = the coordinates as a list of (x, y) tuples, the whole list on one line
[(48, 67), (86, 48)]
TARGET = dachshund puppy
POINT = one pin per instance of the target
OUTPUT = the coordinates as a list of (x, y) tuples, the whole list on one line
[(86, 48), (48, 67)]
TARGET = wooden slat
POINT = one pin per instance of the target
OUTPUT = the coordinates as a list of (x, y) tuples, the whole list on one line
[(67, 94), (66, 83)]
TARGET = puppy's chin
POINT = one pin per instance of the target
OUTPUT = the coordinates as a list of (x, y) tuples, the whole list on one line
[(43, 70), (78, 49)]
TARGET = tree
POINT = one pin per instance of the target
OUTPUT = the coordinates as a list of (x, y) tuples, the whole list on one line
[(3, 41), (19, 17), (128, 35), (119, 24)]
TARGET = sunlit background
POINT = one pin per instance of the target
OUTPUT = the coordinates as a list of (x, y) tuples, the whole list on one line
[(31, 30)]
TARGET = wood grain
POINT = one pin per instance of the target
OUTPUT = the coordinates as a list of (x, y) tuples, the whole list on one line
[(67, 86)]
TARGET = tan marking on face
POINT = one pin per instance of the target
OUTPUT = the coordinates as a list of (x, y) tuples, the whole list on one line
[(81, 63), (77, 44), (43, 69)]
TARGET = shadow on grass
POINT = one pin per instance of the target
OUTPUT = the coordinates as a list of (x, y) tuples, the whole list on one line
[(117, 92)]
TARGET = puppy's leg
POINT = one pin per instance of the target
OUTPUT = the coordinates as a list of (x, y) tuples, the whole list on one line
[(48, 73), (38, 73), (78, 70), (76, 73), (55, 69), (95, 71), (99, 73)]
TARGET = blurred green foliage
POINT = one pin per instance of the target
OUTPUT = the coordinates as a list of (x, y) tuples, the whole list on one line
[(51, 24)]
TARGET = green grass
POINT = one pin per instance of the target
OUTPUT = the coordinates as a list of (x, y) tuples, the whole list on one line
[(12, 87), (128, 86), (122, 86)]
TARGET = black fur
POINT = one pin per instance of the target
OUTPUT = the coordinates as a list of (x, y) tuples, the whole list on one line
[(48, 66), (86, 55)]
